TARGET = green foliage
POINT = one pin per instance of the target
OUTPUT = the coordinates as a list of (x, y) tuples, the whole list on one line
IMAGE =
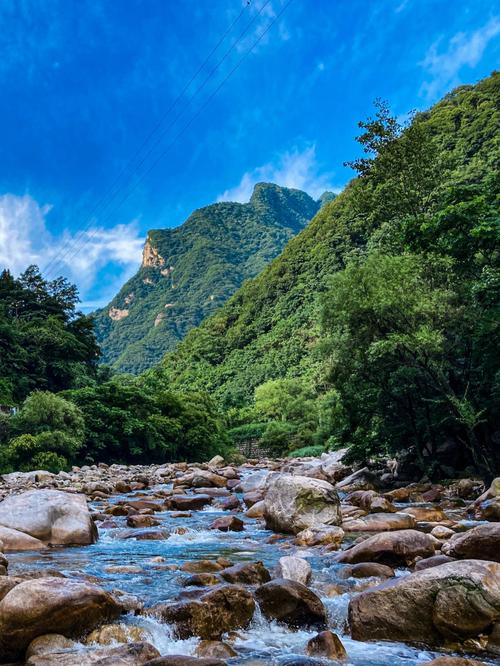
[(307, 451), (44, 343), (129, 422), (405, 355), (199, 266)]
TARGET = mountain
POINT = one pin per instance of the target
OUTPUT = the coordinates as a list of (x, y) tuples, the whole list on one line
[(188, 272), (270, 328)]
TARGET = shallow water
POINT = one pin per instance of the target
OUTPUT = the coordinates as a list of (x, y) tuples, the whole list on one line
[(263, 642)]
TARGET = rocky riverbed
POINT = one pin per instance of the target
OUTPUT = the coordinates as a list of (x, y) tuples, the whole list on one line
[(294, 563)]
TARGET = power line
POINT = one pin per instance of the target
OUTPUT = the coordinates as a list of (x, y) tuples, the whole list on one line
[(110, 195), (190, 121)]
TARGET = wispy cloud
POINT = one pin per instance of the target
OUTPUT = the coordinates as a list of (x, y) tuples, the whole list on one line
[(295, 168), (25, 239), (464, 49)]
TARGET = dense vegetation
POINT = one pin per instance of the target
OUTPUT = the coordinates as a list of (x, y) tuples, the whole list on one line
[(70, 411), (385, 307), (190, 271)]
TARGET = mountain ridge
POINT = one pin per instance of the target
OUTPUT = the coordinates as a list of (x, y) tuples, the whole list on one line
[(187, 272)]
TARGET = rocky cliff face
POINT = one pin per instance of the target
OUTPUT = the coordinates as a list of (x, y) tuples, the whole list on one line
[(188, 272)]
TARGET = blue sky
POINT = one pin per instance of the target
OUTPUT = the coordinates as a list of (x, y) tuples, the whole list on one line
[(85, 83)]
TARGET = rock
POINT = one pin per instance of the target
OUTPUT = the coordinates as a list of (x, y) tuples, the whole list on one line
[(368, 570), (295, 568), (141, 520), (188, 502), (379, 522), (16, 540), (430, 515), (182, 660), (201, 566), (328, 536), (117, 633), (253, 497), (453, 661), (256, 510), (7, 583), (327, 644), (216, 461), (292, 603), (48, 643), (228, 524), (362, 479), (133, 654), (488, 510), (252, 573), (480, 543), (433, 561), (295, 503), (50, 516), (370, 501), (395, 549), (216, 649), (201, 580), (454, 601), (493, 644), (215, 612), (442, 532), (51, 605), (230, 503)]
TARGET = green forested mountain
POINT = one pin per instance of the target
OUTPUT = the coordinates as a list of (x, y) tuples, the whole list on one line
[(387, 302), (190, 271)]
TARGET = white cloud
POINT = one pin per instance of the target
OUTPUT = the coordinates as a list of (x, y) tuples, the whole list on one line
[(296, 168), (25, 239), (463, 49)]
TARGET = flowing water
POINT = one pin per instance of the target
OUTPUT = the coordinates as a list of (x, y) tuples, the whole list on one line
[(263, 642)]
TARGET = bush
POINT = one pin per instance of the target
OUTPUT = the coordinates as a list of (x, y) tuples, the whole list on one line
[(307, 451)]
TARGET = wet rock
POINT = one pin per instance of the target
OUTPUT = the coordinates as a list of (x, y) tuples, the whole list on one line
[(252, 573), (292, 603), (453, 601), (183, 660), (231, 503), (49, 516), (294, 568), (328, 536), (368, 570), (51, 605), (122, 487), (493, 644), (117, 633), (327, 644), (133, 654), (7, 583), (433, 561), (222, 609), (362, 479), (488, 510), (48, 643), (228, 524), (379, 522), (142, 534), (188, 502), (295, 503), (201, 566), (215, 649), (253, 497), (453, 661), (123, 569), (395, 549), (140, 520), (481, 543), (201, 580)]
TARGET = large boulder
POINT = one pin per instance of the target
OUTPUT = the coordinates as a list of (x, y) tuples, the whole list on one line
[(48, 517), (399, 548), (51, 605), (292, 603), (248, 573), (453, 601), (295, 503), (222, 609), (479, 543)]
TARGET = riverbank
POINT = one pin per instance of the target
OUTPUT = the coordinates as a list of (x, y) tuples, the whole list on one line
[(299, 563)]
